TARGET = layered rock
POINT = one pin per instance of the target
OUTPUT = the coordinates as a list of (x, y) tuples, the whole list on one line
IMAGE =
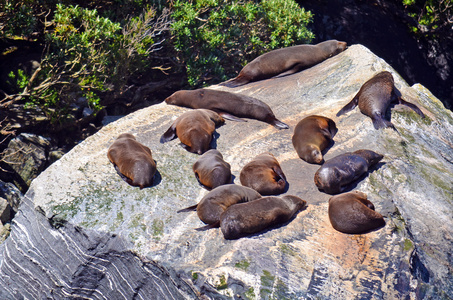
[(84, 232)]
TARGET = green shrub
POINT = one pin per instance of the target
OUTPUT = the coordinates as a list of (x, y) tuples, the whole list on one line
[(215, 38), (432, 16)]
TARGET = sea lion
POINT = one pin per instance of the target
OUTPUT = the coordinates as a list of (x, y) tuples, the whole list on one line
[(337, 173), (211, 170), (132, 160), (311, 136), (231, 106), (194, 129), (353, 213), (374, 97), (251, 217), (264, 175), (218, 200), (286, 61)]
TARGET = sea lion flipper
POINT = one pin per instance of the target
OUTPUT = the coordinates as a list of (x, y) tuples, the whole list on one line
[(235, 82), (230, 117), (169, 135), (412, 106), (190, 208), (209, 226), (379, 122), (279, 124), (348, 107)]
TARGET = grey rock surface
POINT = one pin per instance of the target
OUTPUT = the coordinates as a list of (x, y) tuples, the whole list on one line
[(83, 232)]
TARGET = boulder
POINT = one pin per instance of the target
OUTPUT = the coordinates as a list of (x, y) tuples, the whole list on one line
[(82, 231), (26, 157)]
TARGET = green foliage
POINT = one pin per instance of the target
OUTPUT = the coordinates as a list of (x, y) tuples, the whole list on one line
[(20, 19), (214, 39), (432, 16), (18, 80)]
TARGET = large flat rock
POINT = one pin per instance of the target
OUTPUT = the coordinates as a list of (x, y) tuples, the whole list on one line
[(82, 231)]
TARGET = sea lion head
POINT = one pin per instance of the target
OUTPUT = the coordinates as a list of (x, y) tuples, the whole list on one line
[(295, 203), (371, 157), (143, 174), (332, 47), (312, 154), (176, 98), (126, 136)]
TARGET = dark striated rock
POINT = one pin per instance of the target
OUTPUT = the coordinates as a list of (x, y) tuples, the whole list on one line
[(83, 232)]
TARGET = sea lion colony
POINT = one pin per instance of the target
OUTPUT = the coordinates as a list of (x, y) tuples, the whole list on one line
[(240, 211)]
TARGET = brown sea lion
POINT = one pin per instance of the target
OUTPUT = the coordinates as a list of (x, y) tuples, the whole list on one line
[(337, 173), (311, 136), (264, 175), (219, 199), (132, 160), (374, 97), (353, 213), (194, 129), (229, 105), (246, 218), (211, 170), (286, 61)]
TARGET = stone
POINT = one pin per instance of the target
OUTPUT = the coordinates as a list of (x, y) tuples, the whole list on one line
[(5, 211), (26, 157), (11, 193), (82, 231)]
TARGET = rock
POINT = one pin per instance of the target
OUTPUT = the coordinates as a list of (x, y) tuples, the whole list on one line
[(5, 211), (83, 232), (26, 157), (11, 193)]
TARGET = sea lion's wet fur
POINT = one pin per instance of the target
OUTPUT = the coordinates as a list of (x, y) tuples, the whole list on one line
[(311, 136), (353, 213), (214, 203), (132, 160), (374, 97), (229, 105), (337, 173), (286, 61), (247, 218), (264, 175), (194, 129), (211, 170)]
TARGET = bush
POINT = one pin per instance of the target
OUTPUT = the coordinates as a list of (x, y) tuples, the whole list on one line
[(432, 16), (215, 38)]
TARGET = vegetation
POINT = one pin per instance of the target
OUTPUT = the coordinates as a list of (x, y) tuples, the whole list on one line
[(433, 17), (109, 52)]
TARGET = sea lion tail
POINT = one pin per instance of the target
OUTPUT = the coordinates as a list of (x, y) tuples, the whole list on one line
[(209, 226), (190, 208), (279, 124)]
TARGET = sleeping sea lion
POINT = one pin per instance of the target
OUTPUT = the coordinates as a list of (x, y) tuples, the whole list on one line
[(337, 173), (311, 136), (251, 217), (353, 213), (264, 175), (218, 200), (132, 160), (231, 106), (211, 170), (374, 97), (286, 61), (194, 129)]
